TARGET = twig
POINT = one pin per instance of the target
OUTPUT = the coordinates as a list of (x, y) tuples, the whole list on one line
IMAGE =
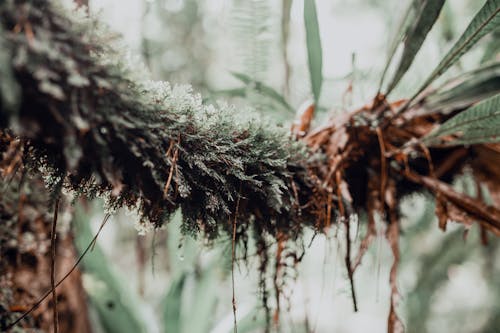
[(172, 167), (383, 166), (488, 216), (348, 242), (233, 255)]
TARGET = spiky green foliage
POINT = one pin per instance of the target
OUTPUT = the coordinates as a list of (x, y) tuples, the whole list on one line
[(478, 124), (149, 146)]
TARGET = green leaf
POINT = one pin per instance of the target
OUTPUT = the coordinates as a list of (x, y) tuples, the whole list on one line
[(314, 50), (236, 92), (427, 12), (260, 87), (203, 301), (109, 291), (485, 21), (173, 302), (478, 124), (10, 91), (397, 37), (467, 89)]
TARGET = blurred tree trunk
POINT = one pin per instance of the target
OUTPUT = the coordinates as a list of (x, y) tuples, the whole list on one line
[(25, 250)]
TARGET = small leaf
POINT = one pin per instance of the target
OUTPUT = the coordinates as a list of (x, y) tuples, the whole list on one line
[(427, 13), (236, 92), (260, 87), (478, 124), (485, 21), (314, 50)]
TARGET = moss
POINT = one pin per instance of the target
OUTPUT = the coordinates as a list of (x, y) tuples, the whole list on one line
[(106, 130)]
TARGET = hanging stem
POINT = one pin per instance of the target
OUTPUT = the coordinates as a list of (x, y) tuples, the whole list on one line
[(233, 256), (53, 268)]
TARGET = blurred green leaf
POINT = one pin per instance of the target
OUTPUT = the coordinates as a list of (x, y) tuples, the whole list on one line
[(260, 87), (467, 89), (402, 26), (485, 21), (172, 308), (426, 13), (189, 310), (252, 321), (314, 50), (236, 92), (199, 317), (9, 88), (116, 305), (478, 124)]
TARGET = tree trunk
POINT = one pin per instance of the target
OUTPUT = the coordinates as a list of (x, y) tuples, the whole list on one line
[(25, 268)]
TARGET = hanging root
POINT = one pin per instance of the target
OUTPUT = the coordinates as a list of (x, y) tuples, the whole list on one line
[(53, 267)]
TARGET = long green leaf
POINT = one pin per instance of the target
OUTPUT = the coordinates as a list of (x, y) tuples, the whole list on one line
[(468, 88), (427, 14), (199, 318), (397, 37), (109, 292), (477, 124), (262, 88), (172, 307), (485, 21), (314, 50)]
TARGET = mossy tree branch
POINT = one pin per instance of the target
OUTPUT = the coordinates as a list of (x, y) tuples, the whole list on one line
[(87, 119)]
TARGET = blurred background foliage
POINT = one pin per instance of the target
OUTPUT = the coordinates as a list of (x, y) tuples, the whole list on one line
[(254, 53)]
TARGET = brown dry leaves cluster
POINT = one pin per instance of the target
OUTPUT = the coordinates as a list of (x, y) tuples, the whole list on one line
[(376, 157)]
